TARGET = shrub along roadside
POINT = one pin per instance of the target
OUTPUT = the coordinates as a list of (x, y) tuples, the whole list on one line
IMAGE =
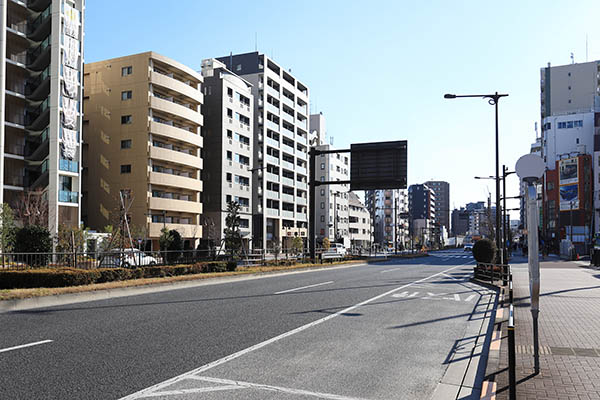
[(63, 277)]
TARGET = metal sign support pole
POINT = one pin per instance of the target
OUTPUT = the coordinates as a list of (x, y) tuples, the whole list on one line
[(534, 268), (312, 207)]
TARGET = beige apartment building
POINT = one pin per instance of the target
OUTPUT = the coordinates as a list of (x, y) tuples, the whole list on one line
[(142, 138), (41, 59)]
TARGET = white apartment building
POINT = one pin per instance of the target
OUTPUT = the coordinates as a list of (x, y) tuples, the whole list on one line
[(280, 149), (389, 209), (228, 137), (359, 223), (331, 200), (41, 67)]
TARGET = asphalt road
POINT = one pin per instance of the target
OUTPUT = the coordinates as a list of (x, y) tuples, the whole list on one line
[(379, 331)]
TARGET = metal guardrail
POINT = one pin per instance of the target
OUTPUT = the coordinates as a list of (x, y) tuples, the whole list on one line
[(493, 272)]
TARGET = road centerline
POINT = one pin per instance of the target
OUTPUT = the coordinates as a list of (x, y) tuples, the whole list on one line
[(152, 389), (304, 287), (22, 346)]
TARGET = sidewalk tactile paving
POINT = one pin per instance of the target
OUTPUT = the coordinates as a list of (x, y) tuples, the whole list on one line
[(569, 322)]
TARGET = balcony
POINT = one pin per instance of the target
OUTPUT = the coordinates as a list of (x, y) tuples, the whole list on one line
[(272, 160), (287, 117), (272, 92), (65, 196), (183, 182), (301, 170), (301, 109), (186, 230), (272, 109), (175, 133), (301, 201), (175, 157), (272, 177), (288, 131), (301, 217), (38, 118), (176, 110), (302, 124), (287, 165), (175, 205), (287, 214), (68, 166), (289, 149), (300, 185), (287, 181), (39, 58), (272, 195), (272, 142), (287, 197), (169, 83), (287, 101), (272, 212), (272, 126), (40, 27), (38, 88)]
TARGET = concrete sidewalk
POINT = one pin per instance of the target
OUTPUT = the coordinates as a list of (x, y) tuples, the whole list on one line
[(569, 328)]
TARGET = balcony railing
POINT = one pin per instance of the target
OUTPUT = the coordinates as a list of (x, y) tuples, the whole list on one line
[(65, 196), (32, 84), (68, 165), (35, 53), (32, 115), (40, 20)]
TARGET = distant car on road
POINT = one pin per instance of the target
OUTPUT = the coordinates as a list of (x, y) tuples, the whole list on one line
[(127, 258), (338, 248), (468, 247)]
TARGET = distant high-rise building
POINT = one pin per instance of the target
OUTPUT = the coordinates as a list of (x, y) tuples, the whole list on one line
[(41, 67), (229, 159), (359, 222), (421, 200), (280, 197), (388, 209), (460, 222), (442, 202), (570, 118), (142, 140)]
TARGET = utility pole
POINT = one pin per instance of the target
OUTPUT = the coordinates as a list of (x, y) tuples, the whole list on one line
[(396, 225)]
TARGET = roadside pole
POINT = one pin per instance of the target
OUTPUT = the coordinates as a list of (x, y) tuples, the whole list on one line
[(311, 209)]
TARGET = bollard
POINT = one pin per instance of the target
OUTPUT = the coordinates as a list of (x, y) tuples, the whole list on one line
[(512, 379)]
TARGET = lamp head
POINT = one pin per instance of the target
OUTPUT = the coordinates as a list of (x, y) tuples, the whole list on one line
[(449, 96)]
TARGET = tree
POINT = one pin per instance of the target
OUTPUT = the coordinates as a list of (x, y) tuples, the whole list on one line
[(233, 238), (171, 244), (484, 251), (8, 229), (32, 208), (297, 245), (326, 244), (33, 239), (70, 239)]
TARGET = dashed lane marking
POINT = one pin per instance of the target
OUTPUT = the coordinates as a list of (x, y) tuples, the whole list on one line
[(304, 287), (24, 345)]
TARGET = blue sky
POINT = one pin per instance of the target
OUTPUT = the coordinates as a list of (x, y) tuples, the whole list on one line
[(378, 70)]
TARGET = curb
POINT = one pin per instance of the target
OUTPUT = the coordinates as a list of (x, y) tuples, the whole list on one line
[(489, 387), (464, 379), (7, 306)]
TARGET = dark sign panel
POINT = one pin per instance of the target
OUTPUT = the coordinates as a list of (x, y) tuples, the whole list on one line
[(380, 165)]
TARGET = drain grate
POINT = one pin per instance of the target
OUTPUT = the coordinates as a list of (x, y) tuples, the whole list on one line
[(560, 351)]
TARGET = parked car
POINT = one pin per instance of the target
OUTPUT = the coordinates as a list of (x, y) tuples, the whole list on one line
[(468, 247), (338, 248), (127, 258)]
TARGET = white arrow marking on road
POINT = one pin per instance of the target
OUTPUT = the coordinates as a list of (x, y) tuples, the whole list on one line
[(470, 297), (304, 287), (455, 298), (405, 294), (24, 345), (433, 296)]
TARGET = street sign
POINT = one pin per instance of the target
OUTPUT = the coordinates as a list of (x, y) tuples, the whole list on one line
[(380, 165)]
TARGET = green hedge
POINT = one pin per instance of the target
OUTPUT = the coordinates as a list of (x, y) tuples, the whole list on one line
[(62, 277)]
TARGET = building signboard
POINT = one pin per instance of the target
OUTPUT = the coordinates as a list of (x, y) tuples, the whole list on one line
[(569, 197), (568, 171)]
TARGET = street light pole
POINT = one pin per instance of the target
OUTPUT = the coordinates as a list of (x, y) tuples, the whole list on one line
[(492, 100)]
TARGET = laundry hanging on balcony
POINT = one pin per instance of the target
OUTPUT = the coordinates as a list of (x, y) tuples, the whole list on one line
[(69, 113), (69, 83), (70, 52), (68, 146), (71, 21)]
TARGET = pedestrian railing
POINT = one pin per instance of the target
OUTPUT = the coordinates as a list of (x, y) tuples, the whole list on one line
[(491, 272)]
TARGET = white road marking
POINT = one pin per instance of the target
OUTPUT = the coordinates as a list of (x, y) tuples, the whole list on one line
[(389, 270), (405, 294), (195, 390), (248, 385), (304, 287), (446, 259), (25, 345), (470, 297), (145, 392)]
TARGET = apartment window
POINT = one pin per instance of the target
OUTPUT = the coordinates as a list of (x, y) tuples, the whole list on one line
[(125, 119), (126, 144), (228, 198), (577, 141), (229, 155), (322, 192), (230, 113), (126, 169), (322, 218), (322, 165), (126, 95), (229, 92), (126, 71), (229, 133), (228, 177), (322, 205)]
